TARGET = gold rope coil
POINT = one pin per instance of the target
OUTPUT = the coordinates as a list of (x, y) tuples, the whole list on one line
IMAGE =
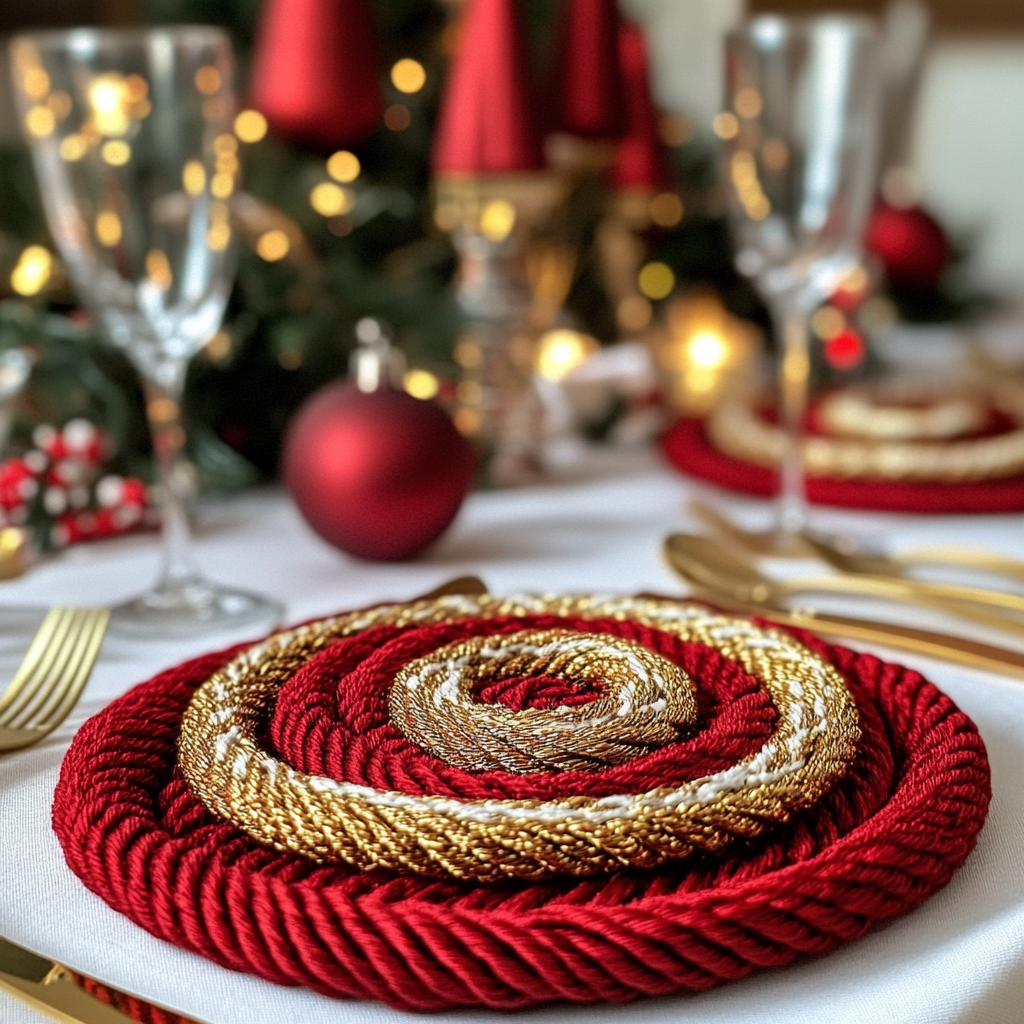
[(646, 700), (736, 428), (324, 819)]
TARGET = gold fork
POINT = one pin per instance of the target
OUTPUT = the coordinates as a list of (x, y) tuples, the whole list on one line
[(51, 677)]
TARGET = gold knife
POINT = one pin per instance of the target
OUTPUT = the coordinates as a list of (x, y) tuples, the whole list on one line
[(50, 989), (943, 646)]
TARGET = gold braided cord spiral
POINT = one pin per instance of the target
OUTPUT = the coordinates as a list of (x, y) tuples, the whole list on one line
[(814, 743), (737, 429), (646, 700)]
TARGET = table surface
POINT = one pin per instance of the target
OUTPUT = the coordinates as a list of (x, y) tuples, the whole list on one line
[(598, 527)]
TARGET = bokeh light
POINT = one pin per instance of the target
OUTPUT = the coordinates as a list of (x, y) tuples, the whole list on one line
[(33, 271), (208, 80), (633, 314), (656, 280), (250, 126), (397, 117), (273, 245), (108, 228), (726, 125), (193, 178), (421, 384), (666, 210), (330, 200), (561, 351), (116, 153), (343, 166), (497, 220), (408, 75)]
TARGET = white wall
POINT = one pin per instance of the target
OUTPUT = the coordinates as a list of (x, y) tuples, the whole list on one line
[(969, 148)]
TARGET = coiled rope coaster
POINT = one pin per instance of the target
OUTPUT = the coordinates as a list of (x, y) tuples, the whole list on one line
[(327, 819), (889, 828)]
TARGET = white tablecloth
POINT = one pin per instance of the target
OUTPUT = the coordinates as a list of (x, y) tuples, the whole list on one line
[(958, 958)]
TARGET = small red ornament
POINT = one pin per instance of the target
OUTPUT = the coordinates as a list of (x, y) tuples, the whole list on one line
[(911, 244), (315, 74), (379, 474), (845, 350)]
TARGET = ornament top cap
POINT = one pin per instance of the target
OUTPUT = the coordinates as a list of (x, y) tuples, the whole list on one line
[(375, 364)]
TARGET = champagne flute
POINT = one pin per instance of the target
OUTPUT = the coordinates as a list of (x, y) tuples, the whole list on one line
[(131, 137), (801, 150)]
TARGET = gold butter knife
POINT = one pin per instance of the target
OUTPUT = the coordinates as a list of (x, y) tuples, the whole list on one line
[(50, 989)]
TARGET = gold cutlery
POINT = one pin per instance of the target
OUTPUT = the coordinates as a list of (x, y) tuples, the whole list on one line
[(736, 586), (747, 584), (765, 542), (52, 674), (51, 990)]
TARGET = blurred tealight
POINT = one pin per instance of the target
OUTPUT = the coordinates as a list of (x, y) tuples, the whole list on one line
[(561, 351)]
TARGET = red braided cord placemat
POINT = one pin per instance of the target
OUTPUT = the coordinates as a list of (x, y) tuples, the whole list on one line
[(686, 446), (893, 831)]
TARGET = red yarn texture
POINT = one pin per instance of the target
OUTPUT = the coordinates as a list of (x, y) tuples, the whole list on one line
[(332, 717), (686, 446), (892, 832)]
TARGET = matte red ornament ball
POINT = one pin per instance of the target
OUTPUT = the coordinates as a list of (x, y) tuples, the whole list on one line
[(379, 475), (911, 244)]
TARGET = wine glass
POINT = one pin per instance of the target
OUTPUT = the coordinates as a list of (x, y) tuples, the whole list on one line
[(131, 137), (801, 136)]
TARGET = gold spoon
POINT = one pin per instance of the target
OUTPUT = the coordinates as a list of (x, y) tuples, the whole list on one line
[(707, 585), (716, 567), (845, 556)]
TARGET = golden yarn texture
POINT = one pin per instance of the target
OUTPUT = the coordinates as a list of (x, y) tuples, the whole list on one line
[(328, 820), (646, 701), (737, 429)]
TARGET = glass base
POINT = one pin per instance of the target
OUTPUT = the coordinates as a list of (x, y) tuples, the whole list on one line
[(193, 608)]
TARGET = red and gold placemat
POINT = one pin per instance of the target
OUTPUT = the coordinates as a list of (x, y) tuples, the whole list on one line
[(686, 446), (769, 796)]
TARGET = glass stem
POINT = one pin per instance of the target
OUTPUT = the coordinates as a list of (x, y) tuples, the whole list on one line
[(163, 389), (794, 371)]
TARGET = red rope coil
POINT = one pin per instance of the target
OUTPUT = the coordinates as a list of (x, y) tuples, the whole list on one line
[(686, 446), (894, 830)]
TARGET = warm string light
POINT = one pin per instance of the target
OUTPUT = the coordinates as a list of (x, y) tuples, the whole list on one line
[(250, 126), (344, 166), (108, 229), (330, 200), (219, 234), (656, 280), (497, 220), (408, 75), (33, 271), (743, 169), (273, 245), (421, 384)]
